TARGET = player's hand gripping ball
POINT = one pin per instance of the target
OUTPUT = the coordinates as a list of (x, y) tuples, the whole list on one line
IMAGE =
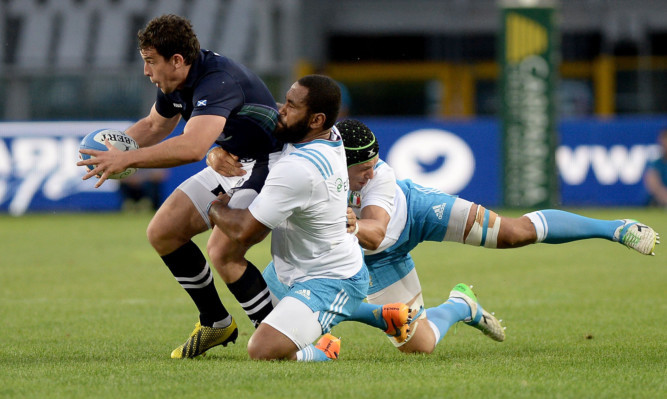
[(118, 139)]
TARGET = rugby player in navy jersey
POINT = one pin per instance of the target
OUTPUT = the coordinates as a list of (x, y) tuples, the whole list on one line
[(222, 103)]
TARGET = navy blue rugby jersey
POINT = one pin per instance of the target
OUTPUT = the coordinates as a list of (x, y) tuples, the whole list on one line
[(217, 85)]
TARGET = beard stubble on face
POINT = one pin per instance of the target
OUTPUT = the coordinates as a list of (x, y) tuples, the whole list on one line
[(294, 133)]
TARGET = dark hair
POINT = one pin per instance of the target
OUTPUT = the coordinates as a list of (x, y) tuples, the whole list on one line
[(359, 141), (323, 97), (170, 34)]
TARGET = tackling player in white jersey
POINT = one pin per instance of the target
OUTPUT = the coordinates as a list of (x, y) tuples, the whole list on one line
[(391, 217), (303, 203)]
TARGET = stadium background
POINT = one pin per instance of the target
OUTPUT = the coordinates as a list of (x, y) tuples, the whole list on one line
[(410, 67)]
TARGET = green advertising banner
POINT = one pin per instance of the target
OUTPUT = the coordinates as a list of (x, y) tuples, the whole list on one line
[(529, 59)]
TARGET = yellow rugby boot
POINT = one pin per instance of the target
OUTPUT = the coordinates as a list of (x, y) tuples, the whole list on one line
[(204, 338)]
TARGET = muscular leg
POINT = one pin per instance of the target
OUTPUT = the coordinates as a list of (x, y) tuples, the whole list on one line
[(549, 226), (243, 278), (170, 233), (513, 233), (516, 232), (290, 326), (428, 333), (267, 343), (174, 224), (228, 257), (423, 338), (553, 226)]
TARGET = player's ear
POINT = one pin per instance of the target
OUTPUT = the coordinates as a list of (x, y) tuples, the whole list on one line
[(177, 60), (317, 121)]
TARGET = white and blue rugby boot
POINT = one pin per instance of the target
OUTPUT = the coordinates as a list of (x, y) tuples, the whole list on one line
[(637, 236), (480, 318)]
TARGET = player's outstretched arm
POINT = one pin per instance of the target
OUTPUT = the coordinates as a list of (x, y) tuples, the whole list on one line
[(152, 129), (372, 226), (239, 224)]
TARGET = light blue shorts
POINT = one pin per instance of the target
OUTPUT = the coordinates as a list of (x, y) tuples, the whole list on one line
[(333, 299), (429, 216)]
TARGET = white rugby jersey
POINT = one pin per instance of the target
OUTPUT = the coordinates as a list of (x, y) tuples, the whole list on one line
[(383, 191), (304, 202)]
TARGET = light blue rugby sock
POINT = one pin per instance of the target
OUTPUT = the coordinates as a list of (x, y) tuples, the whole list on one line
[(446, 315), (369, 314), (555, 227), (311, 354)]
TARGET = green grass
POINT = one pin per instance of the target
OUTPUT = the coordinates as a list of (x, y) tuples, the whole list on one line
[(89, 310)]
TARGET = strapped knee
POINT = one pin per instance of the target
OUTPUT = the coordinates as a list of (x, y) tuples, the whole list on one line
[(484, 231)]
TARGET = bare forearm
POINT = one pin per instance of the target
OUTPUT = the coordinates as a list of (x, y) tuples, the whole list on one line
[(237, 224), (141, 132), (372, 226), (151, 130), (169, 153), (370, 234)]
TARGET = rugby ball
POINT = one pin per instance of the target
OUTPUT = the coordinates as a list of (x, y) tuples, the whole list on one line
[(95, 141)]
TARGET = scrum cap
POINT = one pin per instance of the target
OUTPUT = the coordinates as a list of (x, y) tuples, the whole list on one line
[(359, 141)]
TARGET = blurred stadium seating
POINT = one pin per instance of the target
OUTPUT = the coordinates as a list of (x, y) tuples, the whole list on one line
[(77, 59)]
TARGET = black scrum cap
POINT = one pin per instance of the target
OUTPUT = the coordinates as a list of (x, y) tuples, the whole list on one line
[(359, 141)]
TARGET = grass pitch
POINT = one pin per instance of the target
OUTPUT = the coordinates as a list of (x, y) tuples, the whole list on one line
[(89, 310)]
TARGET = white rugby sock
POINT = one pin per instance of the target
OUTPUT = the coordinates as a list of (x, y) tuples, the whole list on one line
[(540, 224)]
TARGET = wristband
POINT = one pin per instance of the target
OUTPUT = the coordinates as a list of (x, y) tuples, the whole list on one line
[(356, 228), (208, 152), (210, 204)]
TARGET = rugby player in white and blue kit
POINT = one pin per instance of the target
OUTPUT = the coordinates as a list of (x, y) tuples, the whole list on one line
[(303, 203), (224, 103), (390, 218)]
